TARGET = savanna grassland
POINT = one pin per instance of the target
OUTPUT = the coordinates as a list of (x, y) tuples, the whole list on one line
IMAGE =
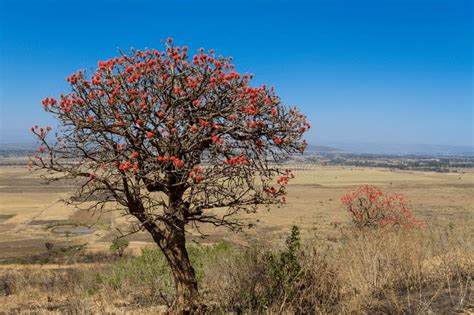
[(327, 267)]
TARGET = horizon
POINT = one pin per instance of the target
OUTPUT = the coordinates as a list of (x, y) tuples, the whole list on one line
[(427, 150), (397, 73)]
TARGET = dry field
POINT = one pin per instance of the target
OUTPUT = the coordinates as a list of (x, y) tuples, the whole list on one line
[(31, 213)]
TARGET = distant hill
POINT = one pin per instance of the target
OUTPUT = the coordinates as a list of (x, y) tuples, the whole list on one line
[(322, 149), (403, 149), (337, 147)]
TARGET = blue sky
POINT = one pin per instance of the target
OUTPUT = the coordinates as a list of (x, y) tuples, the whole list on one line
[(380, 71)]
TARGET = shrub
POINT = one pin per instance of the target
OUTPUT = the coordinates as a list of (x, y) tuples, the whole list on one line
[(284, 266), (368, 206), (118, 246), (265, 280)]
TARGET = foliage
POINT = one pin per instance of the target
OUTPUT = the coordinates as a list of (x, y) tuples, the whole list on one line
[(368, 206), (118, 246), (257, 277), (284, 265)]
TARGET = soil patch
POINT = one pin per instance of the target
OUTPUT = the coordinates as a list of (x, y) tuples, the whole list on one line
[(4, 217), (43, 222), (73, 230)]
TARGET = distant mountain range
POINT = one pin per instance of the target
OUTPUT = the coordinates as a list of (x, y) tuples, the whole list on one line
[(394, 149), (354, 148)]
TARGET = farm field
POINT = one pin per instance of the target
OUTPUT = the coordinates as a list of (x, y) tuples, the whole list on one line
[(32, 214)]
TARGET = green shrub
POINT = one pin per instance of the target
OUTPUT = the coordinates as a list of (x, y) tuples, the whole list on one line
[(256, 279), (118, 246), (284, 265)]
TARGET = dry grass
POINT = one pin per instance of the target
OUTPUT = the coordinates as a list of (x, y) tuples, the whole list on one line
[(405, 272), (367, 272)]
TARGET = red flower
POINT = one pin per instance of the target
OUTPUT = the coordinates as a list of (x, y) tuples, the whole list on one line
[(203, 123), (277, 140), (134, 155), (236, 160), (149, 134), (45, 102), (194, 128), (283, 180), (178, 163)]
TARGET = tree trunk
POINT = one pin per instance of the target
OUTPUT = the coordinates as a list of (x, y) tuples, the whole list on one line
[(173, 245)]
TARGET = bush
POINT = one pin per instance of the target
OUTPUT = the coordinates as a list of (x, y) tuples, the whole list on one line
[(284, 266), (256, 280), (368, 206), (118, 246)]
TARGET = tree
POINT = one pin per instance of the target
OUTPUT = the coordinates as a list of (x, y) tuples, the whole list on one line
[(172, 141), (370, 207)]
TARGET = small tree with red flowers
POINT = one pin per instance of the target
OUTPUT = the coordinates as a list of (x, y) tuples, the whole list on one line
[(368, 206), (172, 141)]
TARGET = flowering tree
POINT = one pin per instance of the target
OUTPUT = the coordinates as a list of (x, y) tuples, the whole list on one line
[(368, 206), (172, 141)]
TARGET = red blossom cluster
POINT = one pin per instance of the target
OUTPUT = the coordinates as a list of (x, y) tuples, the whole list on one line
[(49, 101), (196, 174), (369, 206), (127, 165), (41, 133), (236, 160), (283, 180), (165, 113)]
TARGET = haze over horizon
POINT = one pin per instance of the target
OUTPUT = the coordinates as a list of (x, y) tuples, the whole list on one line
[(391, 72)]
